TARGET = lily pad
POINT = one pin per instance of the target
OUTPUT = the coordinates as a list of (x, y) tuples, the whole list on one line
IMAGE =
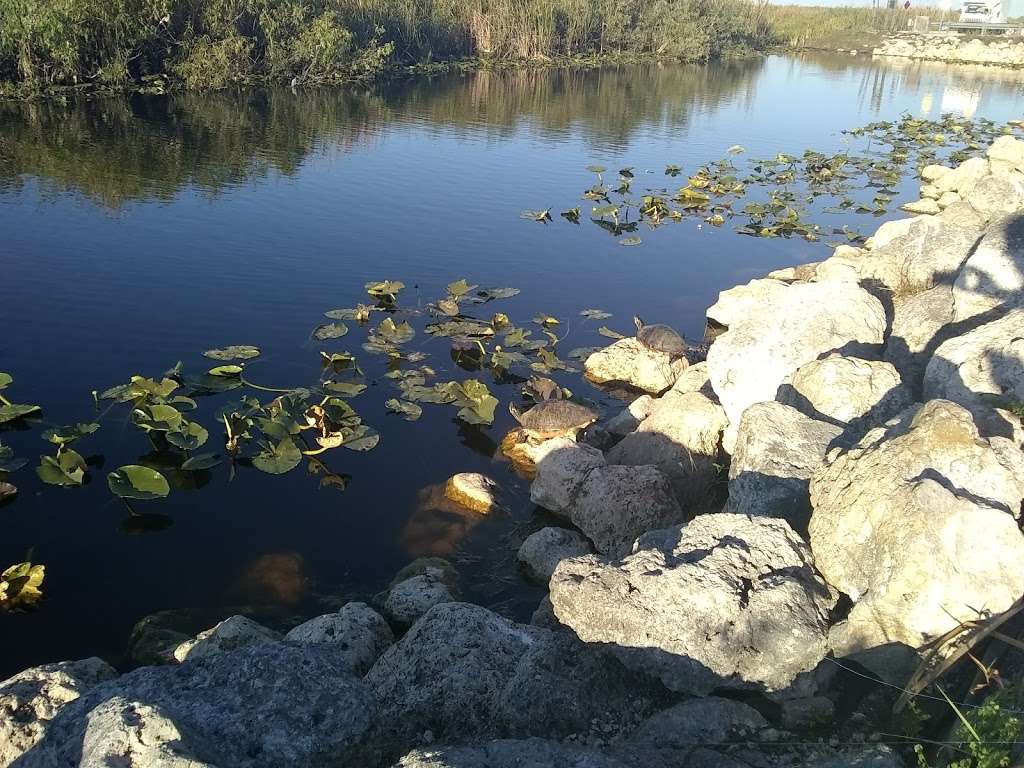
[(385, 290), (395, 333), (20, 585), (134, 481), (14, 411), (490, 294), (8, 461), (330, 331), (189, 436), (278, 459), (595, 314), (67, 469), (234, 352), (630, 241), (408, 411), (68, 434), (201, 461), (226, 370), (542, 216)]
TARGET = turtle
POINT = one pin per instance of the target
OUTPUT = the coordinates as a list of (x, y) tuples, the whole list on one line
[(660, 338), (553, 418)]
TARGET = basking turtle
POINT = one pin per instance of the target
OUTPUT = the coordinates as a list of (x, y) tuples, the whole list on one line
[(553, 418), (660, 338)]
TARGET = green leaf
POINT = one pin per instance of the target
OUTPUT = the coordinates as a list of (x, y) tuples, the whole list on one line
[(158, 417), (460, 288), (595, 314), (134, 481), (201, 461), (609, 333), (596, 168), (20, 585), (490, 294), (234, 352), (330, 331), (189, 436), (363, 439), (5, 380), (544, 215), (395, 333), (8, 462), (226, 370), (16, 411), (68, 434), (385, 290), (408, 411), (345, 388), (278, 459), (66, 468)]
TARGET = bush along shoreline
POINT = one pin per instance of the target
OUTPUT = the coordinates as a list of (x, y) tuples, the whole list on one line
[(216, 43), (831, 613)]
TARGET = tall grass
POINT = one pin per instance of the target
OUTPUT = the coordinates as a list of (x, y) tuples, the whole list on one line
[(215, 42), (809, 26)]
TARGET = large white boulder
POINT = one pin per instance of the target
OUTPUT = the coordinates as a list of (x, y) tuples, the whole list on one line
[(919, 324), (842, 389), (562, 467), (739, 302), (627, 361), (993, 277), (232, 633), (748, 362)]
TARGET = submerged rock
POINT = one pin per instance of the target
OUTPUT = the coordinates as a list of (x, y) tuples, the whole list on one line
[(627, 361), (31, 699), (682, 437), (473, 491), (777, 451), (615, 504), (917, 525), (543, 550), (464, 673), (230, 634), (358, 633), (749, 361), (725, 601), (272, 705)]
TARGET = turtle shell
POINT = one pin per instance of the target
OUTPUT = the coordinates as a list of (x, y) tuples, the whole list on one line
[(661, 338), (557, 416)]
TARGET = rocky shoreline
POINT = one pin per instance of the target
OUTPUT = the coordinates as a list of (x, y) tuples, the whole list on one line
[(956, 49), (868, 410)]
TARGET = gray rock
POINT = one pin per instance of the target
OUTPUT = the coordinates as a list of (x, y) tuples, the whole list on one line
[(925, 206), (897, 517), (273, 704), (682, 437), (410, 599), (993, 277), (437, 567), (359, 634), (694, 379), (777, 451), (465, 673), (964, 177), (544, 617), (919, 325), (629, 418), (154, 637), (841, 390), (738, 303), (807, 713), (615, 504), (546, 548), (982, 370), (746, 582), (699, 721), (627, 361), (1008, 150), (963, 215), (31, 699), (526, 753), (874, 756), (232, 633), (995, 196), (562, 466), (748, 362), (932, 173)]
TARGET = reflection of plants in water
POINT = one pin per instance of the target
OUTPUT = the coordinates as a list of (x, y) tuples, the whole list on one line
[(857, 183)]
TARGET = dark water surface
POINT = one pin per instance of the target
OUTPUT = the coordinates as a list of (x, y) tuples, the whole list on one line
[(138, 232)]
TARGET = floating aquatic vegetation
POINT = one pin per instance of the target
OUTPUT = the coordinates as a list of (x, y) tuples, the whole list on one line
[(20, 585), (385, 291), (12, 411), (234, 352), (69, 434), (329, 331), (408, 411), (541, 216), (8, 461), (134, 481), (67, 468)]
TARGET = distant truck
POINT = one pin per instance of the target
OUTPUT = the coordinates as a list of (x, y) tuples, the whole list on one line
[(983, 12)]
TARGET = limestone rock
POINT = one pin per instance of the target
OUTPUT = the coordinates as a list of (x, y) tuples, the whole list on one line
[(842, 389), (918, 327), (466, 673), (993, 277), (273, 705), (923, 206), (963, 214), (694, 379), (546, 548), (230, 634), (932, 173), (410, 599), (31, 699), (562, 467), (682, 437), (473, 491), (746, 582), (737, 303), (995, 196), (358, 632), (963, 178), (1008, 150), (777, 450), (615, 504), (929, 252), (749, 361), (897, 518), (947, 199), (980, 370), (629, 418), (629, 362)]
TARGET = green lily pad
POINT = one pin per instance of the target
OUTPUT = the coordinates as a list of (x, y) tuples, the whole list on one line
[(201, 461), (189, 436), (66, 468), (134, 481), (460, 288), (5, 380), (278, 459), (226, 370), (20, 585), (408, 411), (8, 461), (385, 290), (16, 411), (595, 314), (330, 331), (234, 352), (395, 333), (363, 439), (68, 434), (158, 417)]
